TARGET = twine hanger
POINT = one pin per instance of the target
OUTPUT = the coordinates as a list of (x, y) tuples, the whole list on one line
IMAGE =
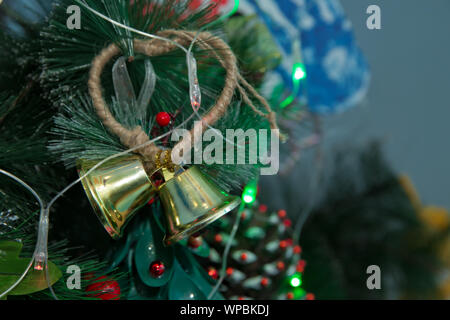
[(156, 47)]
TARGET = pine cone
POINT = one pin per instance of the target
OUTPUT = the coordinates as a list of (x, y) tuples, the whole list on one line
[(263, 262)]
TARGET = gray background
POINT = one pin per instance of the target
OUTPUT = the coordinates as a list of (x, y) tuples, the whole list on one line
[(408, 102)]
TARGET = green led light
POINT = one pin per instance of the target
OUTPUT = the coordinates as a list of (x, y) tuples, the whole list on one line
[(295, 281), (235, 8), (248, 199), (299, 72), (249, 193)]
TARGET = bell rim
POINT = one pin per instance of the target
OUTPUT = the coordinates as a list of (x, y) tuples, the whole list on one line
[(234, 202), (88, 189)]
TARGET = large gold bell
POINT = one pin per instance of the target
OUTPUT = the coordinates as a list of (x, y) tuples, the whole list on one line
[(191, 201), (116, 190)]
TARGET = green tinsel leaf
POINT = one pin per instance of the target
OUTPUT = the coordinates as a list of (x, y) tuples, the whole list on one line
[(12, 267)]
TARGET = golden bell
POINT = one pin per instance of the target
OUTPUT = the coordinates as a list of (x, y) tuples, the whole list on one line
[(191, 202), (116, 190)]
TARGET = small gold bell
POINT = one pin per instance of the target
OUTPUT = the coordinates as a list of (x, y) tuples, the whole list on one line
[(116, 190), (191, 202)]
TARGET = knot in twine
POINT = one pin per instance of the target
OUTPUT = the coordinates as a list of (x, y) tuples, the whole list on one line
[(156, 47)]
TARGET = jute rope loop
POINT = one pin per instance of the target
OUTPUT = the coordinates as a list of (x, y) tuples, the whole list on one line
[(131, 138)]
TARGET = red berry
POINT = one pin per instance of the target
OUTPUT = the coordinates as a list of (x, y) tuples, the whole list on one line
[(264, 282), (163, 118), (243, 256), (194, 242), (262, 208), (230, 271), (218, 238), (301, 266), (289, 296), (310, 296), (289, 241), (280, 265), (282, 214), (213, 273), (297, 249), (283, 244), (157, 269), (105, 290), (287, 223)]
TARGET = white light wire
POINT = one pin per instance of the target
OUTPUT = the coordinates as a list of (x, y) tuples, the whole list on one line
[(226, 251), (189, 54), (41, 204), (148, 35)]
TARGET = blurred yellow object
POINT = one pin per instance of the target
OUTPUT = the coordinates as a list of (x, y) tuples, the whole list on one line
[(436, 218), (444, 288), (438, 222)]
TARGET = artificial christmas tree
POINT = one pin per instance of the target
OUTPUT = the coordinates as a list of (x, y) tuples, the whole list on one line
[(79, 86)]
